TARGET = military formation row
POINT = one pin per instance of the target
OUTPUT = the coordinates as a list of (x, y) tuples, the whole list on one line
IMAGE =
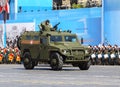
[(100, 55), (10, 55), (105, 55)]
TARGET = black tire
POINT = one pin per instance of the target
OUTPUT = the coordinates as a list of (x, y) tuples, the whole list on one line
[(85, 65), (56, 61), (28, 64)]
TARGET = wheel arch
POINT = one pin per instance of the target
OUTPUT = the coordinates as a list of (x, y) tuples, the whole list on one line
[(23, 53), (51, 52), (63, 56), (26, 50)]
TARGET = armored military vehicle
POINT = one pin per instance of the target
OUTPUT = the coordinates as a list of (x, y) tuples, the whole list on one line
[(55, 48)]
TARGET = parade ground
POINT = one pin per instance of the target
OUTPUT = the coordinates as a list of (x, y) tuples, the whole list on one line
[(14, 75)]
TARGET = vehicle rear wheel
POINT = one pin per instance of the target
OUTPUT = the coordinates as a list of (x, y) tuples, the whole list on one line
[(28, 64), (56, 61), (85, 65)]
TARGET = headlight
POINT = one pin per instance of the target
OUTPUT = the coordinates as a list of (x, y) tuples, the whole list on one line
[(64, 51)]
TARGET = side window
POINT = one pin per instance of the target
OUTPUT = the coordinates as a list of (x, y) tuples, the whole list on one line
[(56, 38), (70, 38), (67, 38), (28, 37), (36, 38)]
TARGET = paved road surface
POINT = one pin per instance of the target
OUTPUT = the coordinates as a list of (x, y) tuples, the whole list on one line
[(42, 76)]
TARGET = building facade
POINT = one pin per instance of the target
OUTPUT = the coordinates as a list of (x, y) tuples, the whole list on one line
[(67, 4)]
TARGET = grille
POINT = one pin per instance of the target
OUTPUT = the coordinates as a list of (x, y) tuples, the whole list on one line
[(77, 52)]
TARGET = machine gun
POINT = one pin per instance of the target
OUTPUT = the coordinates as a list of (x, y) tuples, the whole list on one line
[(55, 26)]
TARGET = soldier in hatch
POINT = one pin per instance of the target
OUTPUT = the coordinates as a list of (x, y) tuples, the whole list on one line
[(45, 26)]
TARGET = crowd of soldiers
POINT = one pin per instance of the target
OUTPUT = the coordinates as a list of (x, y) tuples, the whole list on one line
[(10, 55), (93, 3), (105, 55)]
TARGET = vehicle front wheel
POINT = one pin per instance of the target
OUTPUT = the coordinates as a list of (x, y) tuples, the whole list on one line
[(28, 64), (56, 61), (85, 65)]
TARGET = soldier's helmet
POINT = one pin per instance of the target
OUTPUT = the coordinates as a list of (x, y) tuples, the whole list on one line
[(47, 21)]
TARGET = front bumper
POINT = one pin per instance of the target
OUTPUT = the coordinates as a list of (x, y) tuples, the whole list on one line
[(73, 59)]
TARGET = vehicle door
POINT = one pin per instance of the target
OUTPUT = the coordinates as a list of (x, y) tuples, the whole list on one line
[(44, 48)]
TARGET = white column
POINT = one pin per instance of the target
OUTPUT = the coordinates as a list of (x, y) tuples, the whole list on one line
[(16, 6), (102, 22)]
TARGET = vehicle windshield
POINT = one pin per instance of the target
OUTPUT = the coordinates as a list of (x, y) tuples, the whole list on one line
[(70, 38), (55, 38)]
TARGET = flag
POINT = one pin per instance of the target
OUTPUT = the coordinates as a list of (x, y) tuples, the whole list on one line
[(4, 6), (6, 11), (7, 8), (1, 9)]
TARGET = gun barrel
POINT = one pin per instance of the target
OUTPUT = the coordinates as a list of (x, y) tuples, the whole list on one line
[(56, 25)]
